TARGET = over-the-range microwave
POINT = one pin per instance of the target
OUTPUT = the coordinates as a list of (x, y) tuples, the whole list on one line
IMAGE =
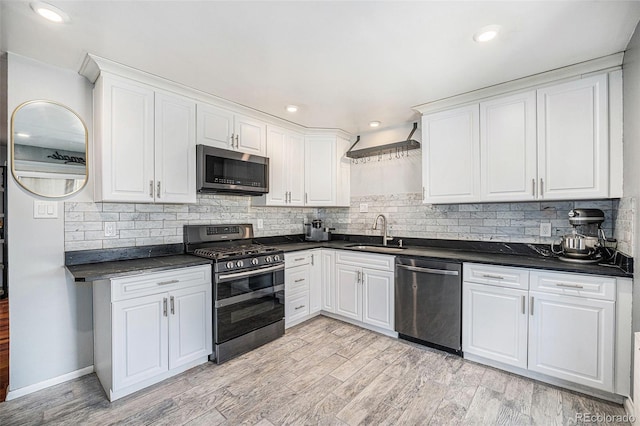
[(231, 172)]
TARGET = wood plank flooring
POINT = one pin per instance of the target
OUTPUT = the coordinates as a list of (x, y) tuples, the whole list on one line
[(323, 372)]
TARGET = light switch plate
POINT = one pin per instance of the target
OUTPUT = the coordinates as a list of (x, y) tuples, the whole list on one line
[(364, 208), (545, 229), (110, 229), (260, 223), (45, 209)]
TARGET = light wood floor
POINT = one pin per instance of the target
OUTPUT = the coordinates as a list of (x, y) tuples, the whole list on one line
[(321, 372)]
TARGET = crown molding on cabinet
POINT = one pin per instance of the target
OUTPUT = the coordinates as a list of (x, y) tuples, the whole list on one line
[(571, 72), (93, 65)]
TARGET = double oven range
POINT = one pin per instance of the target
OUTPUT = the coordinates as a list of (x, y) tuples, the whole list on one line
[(248, 287)]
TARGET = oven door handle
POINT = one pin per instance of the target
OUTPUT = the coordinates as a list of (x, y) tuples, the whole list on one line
[(248, 296), (227, 277)]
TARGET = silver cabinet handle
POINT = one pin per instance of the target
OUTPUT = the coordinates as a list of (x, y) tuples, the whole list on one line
[(428, 270), (172, 301), (299, 307), (569, 285), (423, 191), (164, 306), (495, 277), (312, 259), (158, 190), (151, 188), (289, 196), (531, 306), (523, 302), (237, 141), (298, 259), (533, 187), (305, 198), (232, 136), (541, 187), (168, 282), (299, 280)]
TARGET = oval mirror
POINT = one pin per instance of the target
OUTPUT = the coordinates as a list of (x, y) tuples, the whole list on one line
[(48, 149)]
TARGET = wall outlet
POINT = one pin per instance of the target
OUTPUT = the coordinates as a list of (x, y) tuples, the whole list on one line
[(260, 223), (364, 207), (545, 229), (109, 229)]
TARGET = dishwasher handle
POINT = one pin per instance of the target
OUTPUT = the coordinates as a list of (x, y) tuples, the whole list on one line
[(428, 270)]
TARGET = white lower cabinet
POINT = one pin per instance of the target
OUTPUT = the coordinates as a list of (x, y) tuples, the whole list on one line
[(303, 286), (572, 338), (150, 327), (363, 293), (328, 280), (559, 325)]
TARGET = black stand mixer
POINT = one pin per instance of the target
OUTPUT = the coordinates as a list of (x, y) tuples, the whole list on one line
[(587, 243)]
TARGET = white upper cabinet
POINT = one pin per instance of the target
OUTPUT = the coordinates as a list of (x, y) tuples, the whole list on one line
[(224, 129), (320, 170), (508, 148), (551, 143), (450, 156), (144, 143), (573, 139), (285, 150)]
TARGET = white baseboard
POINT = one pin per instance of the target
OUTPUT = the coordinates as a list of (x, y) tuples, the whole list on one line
[(13, 394), (629, 408)]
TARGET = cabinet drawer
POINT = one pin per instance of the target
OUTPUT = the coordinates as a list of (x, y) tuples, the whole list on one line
[(502, 276), (296, 279), (297, 258), (588, 286), (158, 282), (374, 261), (296, 306)]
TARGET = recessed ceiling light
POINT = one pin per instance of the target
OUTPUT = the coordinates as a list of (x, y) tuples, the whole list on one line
[(292, 108), (23, 135), (374, 124), (50, 12), (487, 33)]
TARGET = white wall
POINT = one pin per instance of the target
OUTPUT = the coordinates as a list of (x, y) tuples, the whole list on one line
[(631, 93), (50, 316)]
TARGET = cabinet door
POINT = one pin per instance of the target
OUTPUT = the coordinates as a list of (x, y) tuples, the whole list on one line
[(328, 281), (451, 156), (125, 148), (175, 149), (377, 298), (348, 292), (296, 308), (190, 325), (572, 338), (295, 169), (214, 127), (140, 339), (251, 135), (315, 282), (320, 170), (278, 163), (494, 323), (573, 141), (508, 148), (296, 279)]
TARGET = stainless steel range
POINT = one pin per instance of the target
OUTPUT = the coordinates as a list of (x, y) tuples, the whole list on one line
[(248, 287)]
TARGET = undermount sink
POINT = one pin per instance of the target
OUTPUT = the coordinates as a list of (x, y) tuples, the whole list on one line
[(370, 247)]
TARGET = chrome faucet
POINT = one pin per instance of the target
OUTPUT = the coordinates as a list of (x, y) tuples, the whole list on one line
[(385, 237)]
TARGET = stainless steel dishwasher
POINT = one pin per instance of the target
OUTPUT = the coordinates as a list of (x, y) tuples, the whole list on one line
[(428, 302)]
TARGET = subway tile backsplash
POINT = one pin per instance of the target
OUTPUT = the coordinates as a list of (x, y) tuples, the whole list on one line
[(149, 224)]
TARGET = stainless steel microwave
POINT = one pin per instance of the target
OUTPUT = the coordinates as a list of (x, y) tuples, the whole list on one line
[(231, 172)]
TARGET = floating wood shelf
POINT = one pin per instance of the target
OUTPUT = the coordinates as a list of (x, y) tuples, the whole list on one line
[(405, 145)]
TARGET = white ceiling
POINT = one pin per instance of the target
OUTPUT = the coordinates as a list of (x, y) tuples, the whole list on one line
[(344, 63)]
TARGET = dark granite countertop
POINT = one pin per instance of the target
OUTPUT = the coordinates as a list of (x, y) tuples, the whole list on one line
[(518, 258), (119, 268)]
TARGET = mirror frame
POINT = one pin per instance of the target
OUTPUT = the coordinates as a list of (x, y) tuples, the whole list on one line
[(86, 147)]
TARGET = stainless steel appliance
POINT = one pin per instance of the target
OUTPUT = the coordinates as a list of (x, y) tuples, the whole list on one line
[(587, 242), (428, 303), (221, 170), (248, 287), (314, 231)]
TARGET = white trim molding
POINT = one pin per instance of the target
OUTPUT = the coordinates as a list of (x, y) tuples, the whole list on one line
[(17, 393)]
